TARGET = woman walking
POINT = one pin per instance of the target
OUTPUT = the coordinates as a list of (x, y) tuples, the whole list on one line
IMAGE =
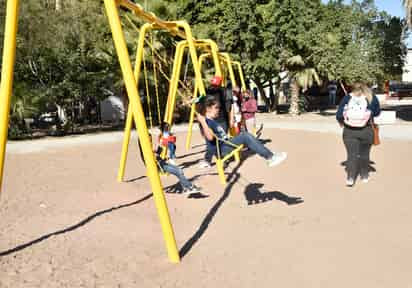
[(355, 114)]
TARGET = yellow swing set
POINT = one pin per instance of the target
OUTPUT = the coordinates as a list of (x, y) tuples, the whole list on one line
[(131, 80)]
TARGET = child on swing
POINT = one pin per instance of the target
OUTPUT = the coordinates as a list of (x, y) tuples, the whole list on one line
[(249, 108), (167, 167), (167, 139), (211, 127)]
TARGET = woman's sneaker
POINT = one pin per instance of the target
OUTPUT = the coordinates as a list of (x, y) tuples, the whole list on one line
[(365, 179), (350, 182), (277, 158)]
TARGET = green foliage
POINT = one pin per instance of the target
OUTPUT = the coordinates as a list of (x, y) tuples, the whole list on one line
[(338, 40), (66, 56), (62, 56)]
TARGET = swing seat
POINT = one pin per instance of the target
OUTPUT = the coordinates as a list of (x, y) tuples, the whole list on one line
[(165, 141)]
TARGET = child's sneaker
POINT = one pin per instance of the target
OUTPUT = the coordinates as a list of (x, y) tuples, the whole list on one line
[(277, 158), (350, 182), (192, 190), (204, 164), (172, 161)]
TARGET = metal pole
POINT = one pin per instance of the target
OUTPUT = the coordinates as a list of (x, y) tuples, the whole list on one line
[(138, 115), (9, 54)]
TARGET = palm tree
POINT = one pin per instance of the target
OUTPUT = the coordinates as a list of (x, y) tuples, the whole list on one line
[(58, 5), (302, 77), (408, 8)]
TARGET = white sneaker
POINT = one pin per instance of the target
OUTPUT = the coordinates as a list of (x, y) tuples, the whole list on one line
[(172, 161), (277, 158), (204, 164), (365, 179), (192, 190), (350, 182)]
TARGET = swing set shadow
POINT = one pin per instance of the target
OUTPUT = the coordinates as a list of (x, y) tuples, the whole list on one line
[(252, 193), (90, 218), (73, 227)]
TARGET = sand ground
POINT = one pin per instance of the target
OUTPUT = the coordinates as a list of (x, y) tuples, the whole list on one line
[(67, 222)]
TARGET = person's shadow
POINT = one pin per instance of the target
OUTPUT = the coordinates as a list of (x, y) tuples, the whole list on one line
[(253, 195), (371, 168)]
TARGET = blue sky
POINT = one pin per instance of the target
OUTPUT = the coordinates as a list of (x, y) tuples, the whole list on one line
[(392, 7)]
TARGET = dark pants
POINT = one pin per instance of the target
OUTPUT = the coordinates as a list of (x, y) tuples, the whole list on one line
[(250, 141), (332, 98), (358, 142), (210, 148)]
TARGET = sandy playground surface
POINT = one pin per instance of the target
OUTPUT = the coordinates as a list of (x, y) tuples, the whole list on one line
[(66, 222)]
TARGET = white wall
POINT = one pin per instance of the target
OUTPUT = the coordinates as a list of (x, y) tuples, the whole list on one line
[(112, 110), (407, 69)]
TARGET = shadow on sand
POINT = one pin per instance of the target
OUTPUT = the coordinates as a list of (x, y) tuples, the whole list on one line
[(254, 195), (73, 227), (371, 168)]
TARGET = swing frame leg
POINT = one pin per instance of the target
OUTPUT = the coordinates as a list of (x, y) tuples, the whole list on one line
[(221, 171)]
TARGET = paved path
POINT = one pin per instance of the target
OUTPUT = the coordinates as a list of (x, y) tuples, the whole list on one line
[(401, 130)]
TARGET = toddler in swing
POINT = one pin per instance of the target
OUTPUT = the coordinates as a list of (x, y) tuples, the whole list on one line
[(167, 167), (168, 140)]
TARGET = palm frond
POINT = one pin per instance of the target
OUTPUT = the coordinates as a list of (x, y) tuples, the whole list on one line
[(307, 77), (296, 60), (408, 7)]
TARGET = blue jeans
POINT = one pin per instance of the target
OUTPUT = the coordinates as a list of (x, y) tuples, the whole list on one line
[(172, 150), (178, 172), (210, 147), (248, 140)]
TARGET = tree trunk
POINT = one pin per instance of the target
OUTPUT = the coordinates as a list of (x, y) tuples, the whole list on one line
[(294, 98), (274, 96), (262, 93), (58, 5)]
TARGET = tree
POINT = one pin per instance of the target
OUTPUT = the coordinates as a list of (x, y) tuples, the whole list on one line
[(302, 77), (293, 36), (239, 28), (356, 42), (58, 5), (391, 34), (408, 8)]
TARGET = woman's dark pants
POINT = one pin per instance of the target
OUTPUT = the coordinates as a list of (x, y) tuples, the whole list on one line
[(358, 142)]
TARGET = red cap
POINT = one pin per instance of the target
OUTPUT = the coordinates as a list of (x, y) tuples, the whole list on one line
[(216, 81)]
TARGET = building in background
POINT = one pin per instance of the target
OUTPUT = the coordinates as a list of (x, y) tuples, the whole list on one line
[(407, 68)]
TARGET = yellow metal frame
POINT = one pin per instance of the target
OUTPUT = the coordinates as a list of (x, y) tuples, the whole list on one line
[(9, 54), (131, 87), (240, 71), (220, 162), (205, 44), (140, 122), (179, 28), (223, 57), (175, 28), (190, 44)]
